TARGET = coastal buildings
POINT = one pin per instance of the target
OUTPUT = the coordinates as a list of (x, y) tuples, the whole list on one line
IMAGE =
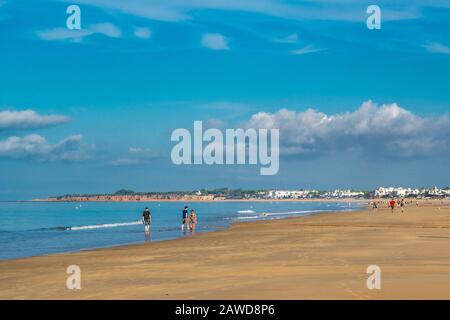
[(310, 194), (240, 194), (290, 194), (129, 198), (344, 194), (383, 192)]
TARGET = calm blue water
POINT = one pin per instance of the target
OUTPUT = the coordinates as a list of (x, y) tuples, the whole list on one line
[(31, 229)]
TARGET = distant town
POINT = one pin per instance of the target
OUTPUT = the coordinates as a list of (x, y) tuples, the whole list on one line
[(224, 194)]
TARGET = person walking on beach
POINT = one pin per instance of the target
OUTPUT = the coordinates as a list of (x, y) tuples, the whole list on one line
[(402, 205), (184, 221), (392, 205), (146, 220), (192, 221)]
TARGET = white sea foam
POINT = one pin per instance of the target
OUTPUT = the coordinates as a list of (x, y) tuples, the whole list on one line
[(246, 211), (248, 217), (286, 213), (106, 225), (267, 214)]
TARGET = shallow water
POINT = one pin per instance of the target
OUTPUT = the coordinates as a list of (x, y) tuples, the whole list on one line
[(31, 229)]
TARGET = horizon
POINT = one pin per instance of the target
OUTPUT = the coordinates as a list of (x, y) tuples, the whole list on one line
[(92, 111), (225, 190)]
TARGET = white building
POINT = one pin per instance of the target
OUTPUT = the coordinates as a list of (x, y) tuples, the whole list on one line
[(289, 194), (407, 192)]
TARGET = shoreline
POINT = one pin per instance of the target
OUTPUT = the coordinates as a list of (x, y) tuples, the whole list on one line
[(336, 200), (182, 236), (352, 200), (323, 255)]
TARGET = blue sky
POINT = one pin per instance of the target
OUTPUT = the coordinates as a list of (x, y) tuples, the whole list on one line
[(139, 69)]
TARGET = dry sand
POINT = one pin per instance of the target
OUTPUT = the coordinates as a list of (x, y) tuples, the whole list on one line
[(324, 256)]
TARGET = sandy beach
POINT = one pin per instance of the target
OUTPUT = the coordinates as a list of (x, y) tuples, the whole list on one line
[(323, 256)]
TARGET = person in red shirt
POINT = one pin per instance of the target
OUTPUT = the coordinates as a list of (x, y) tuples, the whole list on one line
[(392, 205)]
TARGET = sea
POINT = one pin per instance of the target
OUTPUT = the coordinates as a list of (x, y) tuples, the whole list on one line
[(41, 228)]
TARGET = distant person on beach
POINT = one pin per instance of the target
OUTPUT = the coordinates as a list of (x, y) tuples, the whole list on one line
[(192, 221), (146, 220), (184, 221), (374, 205), (392, 205), (402, 205)]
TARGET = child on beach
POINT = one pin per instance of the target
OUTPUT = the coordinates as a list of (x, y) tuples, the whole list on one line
[(192, 221)]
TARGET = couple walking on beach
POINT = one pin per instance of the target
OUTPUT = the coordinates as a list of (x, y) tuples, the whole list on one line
[(400, 203), (188, 220)]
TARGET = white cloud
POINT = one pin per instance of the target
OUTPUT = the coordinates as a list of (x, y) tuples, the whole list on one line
[(106, 29), (135, 156), (214, 41), (292, 38), (156, 10), (36, 147), (176, 10), (135, 150), (437, 48), (28, 119), (63, 34), (215, 123), (225, 106), (307, 49), (125, 162), (142, 33), (380, 130)]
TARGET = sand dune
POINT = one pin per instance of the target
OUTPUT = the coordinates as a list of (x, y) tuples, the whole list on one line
[(324, 256)]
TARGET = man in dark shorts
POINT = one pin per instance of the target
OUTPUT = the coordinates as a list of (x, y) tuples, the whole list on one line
[(184, 220), (146, 220)]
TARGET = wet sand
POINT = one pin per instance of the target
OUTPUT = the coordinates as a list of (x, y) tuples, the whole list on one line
[(324, 256)]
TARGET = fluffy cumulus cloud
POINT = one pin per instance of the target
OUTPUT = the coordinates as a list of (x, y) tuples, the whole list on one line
[(106, 29), (214, 41), (36, 146), (380, 130), (28, 119)]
